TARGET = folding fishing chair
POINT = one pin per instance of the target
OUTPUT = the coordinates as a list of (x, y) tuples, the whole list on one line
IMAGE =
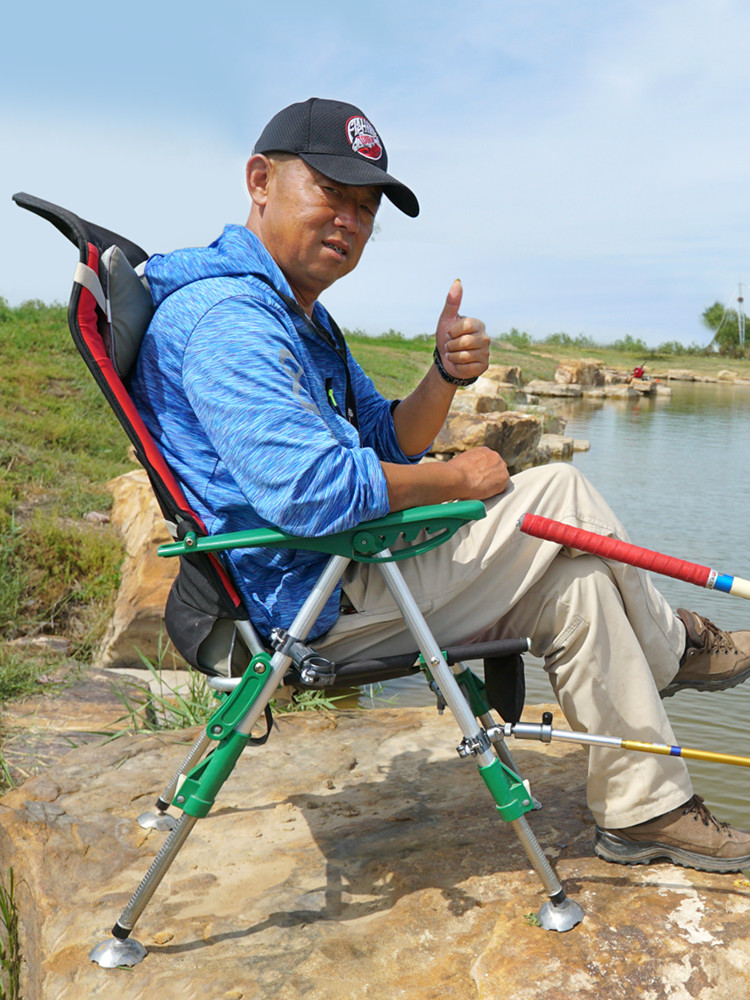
[(110, 308)]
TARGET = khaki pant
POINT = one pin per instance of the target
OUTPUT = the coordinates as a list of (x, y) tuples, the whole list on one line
[(609, 640)]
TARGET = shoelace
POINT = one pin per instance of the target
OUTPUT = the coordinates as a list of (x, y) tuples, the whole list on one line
[(697, 806), (712, 636)]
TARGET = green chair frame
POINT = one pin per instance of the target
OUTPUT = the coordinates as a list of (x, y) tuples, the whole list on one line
[(230, 728)]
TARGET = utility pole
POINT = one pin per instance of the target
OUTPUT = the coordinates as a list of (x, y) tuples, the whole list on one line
[(741, 318)]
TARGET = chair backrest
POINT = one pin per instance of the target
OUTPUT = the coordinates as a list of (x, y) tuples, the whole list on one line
[(109, 310)]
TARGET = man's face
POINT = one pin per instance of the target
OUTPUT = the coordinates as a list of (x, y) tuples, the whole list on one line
[(313, 227)]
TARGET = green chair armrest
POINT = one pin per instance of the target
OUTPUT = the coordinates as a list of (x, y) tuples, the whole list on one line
[(362, 543)]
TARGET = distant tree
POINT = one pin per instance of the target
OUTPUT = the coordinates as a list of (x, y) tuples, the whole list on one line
[(519, 338), (563, 339), (559, 339), (725, 325), (632, 345), (670, 347)]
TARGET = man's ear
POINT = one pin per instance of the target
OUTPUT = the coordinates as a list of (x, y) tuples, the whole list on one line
[(257, 176)]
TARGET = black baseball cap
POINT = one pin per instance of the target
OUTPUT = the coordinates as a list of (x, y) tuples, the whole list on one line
[(338, 140)]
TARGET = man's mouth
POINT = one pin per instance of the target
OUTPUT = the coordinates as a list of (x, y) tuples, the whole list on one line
[(339, 248)]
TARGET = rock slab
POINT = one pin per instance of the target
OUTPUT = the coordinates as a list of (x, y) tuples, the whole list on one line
[(136, 625), (354, 855)]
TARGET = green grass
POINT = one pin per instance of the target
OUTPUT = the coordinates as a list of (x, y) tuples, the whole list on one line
[(165, 705), (10, 943), (22, 667), (59, 445), (310, 700), (396, 364)]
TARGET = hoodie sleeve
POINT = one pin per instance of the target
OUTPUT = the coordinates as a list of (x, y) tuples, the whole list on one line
[(375, 415), (244, 375)]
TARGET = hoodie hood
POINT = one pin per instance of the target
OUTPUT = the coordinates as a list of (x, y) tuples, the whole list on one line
[(236, 253)]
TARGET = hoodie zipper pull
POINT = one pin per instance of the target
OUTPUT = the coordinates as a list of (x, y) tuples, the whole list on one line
[(331, 398)]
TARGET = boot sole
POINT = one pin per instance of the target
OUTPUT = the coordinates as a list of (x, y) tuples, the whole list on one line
[(610, 847), (721, 685)]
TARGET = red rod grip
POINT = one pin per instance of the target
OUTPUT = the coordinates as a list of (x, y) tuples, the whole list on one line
[(613, 548)]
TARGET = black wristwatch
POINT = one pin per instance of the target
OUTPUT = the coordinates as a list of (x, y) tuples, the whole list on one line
[(449, 378)]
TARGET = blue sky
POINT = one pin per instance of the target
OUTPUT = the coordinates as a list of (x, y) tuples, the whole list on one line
[(582, 166)]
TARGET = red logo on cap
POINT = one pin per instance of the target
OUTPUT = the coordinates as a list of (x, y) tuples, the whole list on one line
[(363, 138)]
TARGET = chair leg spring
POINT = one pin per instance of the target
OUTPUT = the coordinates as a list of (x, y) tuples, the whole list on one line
[(121, 946)]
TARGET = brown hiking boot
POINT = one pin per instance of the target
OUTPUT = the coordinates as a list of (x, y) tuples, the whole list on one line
[(688, 836), (713, 660)]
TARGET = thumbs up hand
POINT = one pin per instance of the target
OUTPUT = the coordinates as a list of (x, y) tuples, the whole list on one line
[(462, 342)]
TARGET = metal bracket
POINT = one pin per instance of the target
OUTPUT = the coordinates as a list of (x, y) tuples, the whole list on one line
[(511, 795), (441, 702), (527, 730), (314, 670), (472, 746), (546, 728)]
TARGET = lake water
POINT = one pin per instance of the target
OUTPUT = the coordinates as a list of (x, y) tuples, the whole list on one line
[(677, 472)]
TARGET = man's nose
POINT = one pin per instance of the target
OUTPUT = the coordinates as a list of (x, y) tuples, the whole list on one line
[(347, 215)]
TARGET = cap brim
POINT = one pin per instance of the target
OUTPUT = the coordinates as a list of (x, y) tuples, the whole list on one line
[(346, 170)]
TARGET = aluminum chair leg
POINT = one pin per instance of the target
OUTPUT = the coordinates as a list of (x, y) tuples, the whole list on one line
[(207, 777), (204, 779), (560, 913)]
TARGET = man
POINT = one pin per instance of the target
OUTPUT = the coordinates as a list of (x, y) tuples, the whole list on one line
[(249, 388)]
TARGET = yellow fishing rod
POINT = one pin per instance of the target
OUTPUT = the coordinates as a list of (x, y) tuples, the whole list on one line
[(545, 733)]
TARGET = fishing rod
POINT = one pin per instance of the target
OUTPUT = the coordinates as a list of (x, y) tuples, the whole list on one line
[(634, 555), (613, 548), (545, 733)]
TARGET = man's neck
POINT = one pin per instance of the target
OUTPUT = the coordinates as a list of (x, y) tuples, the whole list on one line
[(302, 301)]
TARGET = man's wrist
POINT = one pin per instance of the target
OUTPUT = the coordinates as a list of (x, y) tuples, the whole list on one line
[(446, 376)]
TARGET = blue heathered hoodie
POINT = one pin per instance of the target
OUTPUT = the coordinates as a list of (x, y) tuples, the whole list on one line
[(244, 398)]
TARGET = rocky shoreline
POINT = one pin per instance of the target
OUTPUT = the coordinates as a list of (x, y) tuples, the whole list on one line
[(354, 855), (503, 412), (725, 376)]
